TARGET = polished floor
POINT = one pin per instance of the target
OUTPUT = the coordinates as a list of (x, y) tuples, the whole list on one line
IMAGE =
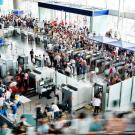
[(18, 47)]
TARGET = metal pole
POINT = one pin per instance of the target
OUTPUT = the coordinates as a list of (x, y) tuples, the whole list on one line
[(118, 16), (91, 24), (106, 4)]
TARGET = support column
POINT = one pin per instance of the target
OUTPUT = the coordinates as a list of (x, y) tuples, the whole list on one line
[(119, 11), (16, 4), (91, 24)]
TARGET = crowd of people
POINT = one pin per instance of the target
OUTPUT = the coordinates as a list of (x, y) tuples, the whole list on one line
[(8, 102), (16, 21), (63, 42), (62, 45), (64, 52), (113, 122), (9, 87)]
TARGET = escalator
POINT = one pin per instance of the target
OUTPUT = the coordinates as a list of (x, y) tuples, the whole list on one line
[(5, 120)]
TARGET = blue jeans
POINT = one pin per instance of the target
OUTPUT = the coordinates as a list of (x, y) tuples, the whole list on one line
[(56, 115)]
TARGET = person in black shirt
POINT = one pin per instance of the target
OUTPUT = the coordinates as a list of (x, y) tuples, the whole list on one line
[(21, 128), (39, 115), (32, 54)]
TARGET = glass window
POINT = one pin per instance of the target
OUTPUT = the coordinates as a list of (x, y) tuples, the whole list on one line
[(129, 5), (127, 28), (28, 6), (113, 4), (97, 3)]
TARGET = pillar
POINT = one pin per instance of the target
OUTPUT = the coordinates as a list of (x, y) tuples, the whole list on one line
[(91, 24), (16, 4)]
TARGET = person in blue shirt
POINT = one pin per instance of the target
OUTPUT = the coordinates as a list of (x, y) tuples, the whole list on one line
[(96, 125), (78, 45), (14, 109), (3, 111), (5, 130)]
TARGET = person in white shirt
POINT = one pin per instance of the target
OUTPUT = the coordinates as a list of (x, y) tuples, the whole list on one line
[(19, 69), (72, 61), (2, 99), (46, 59), (96, 102), (57, 58), (68, 70), (56, 110), (12, 84), (8, 93)]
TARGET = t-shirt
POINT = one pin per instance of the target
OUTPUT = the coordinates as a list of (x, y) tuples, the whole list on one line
[(72, 61), (55, 108), (68, 69), (14, 109), (95, 126), (106, 72), (19, 69), (13, 84), (1, 101), (43, 129), (96, 101), (97, 70), (26, 76), (57, 58), (8, 94)]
